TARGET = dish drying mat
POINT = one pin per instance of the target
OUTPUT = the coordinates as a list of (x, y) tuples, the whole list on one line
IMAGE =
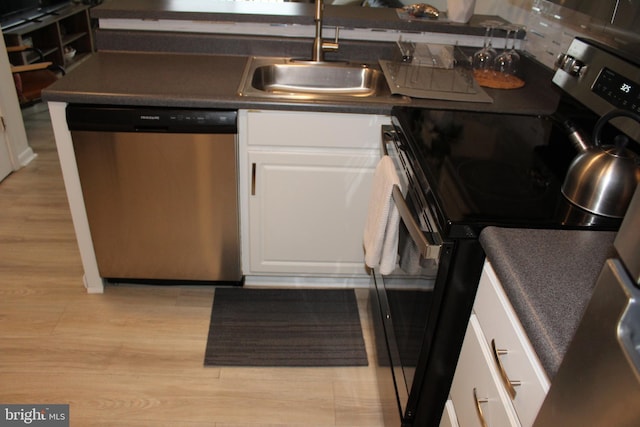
[(454, 84)]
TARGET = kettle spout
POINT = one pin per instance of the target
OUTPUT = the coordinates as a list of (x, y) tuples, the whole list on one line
[(576, 136)]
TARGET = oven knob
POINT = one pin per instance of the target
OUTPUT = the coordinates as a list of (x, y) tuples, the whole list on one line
[(560, 59), (577, 69), (570, 65)]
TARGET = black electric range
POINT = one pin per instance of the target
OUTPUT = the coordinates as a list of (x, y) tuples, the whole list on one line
[(463, 171), (479, 169), (486, 168)]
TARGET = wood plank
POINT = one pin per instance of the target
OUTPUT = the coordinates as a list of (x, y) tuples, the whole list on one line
[(134, 355)]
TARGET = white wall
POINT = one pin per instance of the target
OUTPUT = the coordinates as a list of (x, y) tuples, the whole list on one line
[(15, 137)]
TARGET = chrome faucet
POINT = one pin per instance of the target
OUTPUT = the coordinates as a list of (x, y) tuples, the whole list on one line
[(320, 46)]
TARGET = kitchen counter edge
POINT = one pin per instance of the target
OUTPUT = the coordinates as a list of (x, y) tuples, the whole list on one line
[(549, 277), (211, 81)]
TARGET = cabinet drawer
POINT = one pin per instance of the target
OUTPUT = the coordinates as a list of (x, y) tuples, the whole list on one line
[(519, 361), (476, 385), (449, 418), (320, 130)]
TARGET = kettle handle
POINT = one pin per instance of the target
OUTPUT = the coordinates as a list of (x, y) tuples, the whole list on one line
[(610, 115)]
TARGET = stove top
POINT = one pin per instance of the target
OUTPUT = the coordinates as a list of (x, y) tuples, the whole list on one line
[(478, 169), (484, 168)]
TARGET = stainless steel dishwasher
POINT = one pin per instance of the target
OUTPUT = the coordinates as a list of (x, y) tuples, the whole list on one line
[(160, 190)]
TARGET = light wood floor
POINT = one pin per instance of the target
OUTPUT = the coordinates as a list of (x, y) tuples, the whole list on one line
[(134, 355)]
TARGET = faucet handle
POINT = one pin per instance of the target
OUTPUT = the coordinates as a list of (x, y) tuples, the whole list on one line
[(332, 46)]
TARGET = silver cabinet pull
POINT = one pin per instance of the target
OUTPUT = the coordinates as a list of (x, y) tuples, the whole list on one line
[(478, 402), (509, 384)]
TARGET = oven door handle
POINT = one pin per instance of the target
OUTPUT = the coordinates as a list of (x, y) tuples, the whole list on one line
[(387, 137), (428, 250)]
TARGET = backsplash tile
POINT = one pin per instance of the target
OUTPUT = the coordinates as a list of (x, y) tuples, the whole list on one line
[(551, 27)]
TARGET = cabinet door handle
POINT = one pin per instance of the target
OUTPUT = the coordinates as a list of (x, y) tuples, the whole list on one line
[(253, 179), (478, 402), (509, 384)]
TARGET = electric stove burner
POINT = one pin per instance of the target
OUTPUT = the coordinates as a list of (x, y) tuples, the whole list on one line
[(481, 168), (501, 180)]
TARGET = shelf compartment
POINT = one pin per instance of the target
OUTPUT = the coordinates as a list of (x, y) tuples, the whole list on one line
[(70, 38)]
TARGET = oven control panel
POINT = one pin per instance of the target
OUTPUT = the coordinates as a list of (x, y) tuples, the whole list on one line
[(602, 80), (618, 90)]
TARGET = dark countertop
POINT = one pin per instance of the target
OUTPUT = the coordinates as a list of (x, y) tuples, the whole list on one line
[(194, 70), (190, 80), (175, 80), (548, 276), (167, 79)]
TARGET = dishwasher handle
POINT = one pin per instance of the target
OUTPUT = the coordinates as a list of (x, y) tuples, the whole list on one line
[(115, 118)]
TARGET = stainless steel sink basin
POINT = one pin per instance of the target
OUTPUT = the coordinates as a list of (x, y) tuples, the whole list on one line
[(298, 79), (326, 78)]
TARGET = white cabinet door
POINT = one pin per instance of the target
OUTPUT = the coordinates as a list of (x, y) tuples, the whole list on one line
[(305, 182), (15, 151), (307, 211), (5, 159), (8, 100)]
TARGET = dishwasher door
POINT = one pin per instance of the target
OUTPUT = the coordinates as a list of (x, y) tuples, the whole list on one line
[(161, 206)]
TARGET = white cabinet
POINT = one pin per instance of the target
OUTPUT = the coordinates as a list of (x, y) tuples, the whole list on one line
[(476, 392), (516, 356), (305, 182), (5, 157), (449, 418), (306, 211), (499, 377)]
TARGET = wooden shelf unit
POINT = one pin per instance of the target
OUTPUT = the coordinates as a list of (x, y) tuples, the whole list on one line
[(69, 27)]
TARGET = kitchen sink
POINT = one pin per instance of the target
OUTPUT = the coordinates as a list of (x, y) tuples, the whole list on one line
[(327, 78), (299, 79)]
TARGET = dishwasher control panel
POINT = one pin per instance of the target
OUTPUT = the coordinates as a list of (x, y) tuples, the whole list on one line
[(144, 119)]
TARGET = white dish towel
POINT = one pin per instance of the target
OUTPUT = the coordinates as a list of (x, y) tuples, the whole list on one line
[(381, 227)]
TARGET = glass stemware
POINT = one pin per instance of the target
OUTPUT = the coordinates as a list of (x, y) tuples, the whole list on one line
[(503, 62), (506, 64), (492, 51), (515, 56), (483, 58)]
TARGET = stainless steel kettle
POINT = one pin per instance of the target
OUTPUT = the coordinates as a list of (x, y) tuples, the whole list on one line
[(602, 178)]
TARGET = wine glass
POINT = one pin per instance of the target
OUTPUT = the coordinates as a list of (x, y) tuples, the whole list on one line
[(492, 51), (503, 62), (483, 58), (515, 56), (506, 64)]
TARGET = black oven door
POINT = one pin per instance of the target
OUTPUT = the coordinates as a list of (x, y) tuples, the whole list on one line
[(423, 306), (402, 302)]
